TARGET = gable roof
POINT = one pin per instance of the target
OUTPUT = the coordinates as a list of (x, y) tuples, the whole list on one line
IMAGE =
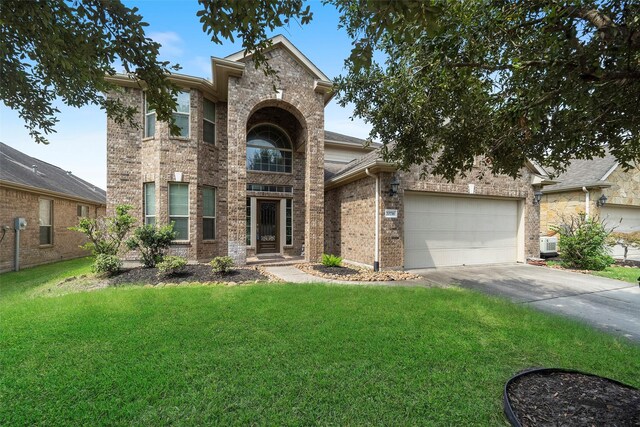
[(585, 173), (18, 168), (282, 41)]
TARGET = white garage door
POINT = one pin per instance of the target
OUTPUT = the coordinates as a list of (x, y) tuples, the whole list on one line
[(446, 231), (630, 222)]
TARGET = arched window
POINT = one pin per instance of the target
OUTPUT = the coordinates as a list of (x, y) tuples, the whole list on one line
[(268, 149)]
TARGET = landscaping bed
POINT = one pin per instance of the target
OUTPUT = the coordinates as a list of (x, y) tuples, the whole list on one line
[(192, 273), (558, 397), (355, 274), (627, 271)]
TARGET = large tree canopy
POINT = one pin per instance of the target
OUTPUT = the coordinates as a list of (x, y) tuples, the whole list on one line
[(510, 80)]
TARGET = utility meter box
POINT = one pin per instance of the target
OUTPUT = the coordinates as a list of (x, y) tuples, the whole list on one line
[(20, 223)]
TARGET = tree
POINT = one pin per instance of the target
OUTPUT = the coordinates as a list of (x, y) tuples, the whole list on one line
[(627, 240), (58, 49), (546, 80)]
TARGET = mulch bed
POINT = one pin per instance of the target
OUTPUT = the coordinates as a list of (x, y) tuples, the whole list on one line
[(192, 273), (628, 263), (572, 399), (355, 274)]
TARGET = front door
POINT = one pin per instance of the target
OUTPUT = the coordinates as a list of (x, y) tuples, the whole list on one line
[(267, 236)]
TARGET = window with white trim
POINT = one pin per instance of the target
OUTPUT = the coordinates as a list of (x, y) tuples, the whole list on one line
[(149, 120), (248, 221), (149, 189), (208, 213), (179, 209), (46, 222), (181, 115), (209, 122)]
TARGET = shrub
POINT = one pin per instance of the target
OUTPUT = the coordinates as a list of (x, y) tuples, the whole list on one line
[(152, 242), (106, 234), (329, 260), (583, 242), (222, 264), (171, 266), (106, 264)]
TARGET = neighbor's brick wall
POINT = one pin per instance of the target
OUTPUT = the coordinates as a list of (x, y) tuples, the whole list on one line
[(625, 189), (347, 203), (248, 95), (66, 243)]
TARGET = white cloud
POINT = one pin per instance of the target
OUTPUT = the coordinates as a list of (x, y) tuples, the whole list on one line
[(172, 43), (199, 66)]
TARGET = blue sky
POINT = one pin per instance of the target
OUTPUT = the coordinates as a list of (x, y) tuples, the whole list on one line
[(80, 142)]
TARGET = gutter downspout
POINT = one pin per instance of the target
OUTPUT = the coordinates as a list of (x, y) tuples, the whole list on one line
[(376, 259), (586, 201)]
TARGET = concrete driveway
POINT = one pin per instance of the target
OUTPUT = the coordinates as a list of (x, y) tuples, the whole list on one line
[(609, 305)]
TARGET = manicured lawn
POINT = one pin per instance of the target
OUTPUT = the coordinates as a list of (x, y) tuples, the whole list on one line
[(625, 274), (275, 354), (620, 273)]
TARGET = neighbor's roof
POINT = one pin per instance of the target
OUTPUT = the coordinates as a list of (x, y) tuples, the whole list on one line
[(344, 139), (18, 168), (584, 173)]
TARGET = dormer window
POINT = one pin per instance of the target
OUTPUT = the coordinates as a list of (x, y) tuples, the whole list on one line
[(268, 150)]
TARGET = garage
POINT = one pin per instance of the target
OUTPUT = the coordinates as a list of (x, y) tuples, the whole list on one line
[(442, 231), (625, 219)]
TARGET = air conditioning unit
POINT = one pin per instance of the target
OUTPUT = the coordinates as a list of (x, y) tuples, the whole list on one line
[(548, 247)]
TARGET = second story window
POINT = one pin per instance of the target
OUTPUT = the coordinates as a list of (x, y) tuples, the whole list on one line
[(181, 115), (209, 122), (268, 150), (149, 120)]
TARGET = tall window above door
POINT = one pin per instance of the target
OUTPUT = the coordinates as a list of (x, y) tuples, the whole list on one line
[(268, 150), (209, 122), (181, 115)]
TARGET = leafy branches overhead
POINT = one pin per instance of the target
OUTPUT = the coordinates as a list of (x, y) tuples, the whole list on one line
[(541, 80), (60, 49)]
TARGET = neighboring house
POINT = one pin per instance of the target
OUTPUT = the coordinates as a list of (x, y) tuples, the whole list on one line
[(580, 189), (254, 172), (50, 200)]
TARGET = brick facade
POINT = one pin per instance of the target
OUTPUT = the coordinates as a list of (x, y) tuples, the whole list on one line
[(350, 213), (298, 110), (65, 243)]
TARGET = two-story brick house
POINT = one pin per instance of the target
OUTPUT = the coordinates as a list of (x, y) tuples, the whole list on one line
[(254, 172)]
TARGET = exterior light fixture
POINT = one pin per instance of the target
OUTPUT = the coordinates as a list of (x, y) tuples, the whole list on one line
[(394, 186), (601, 201), (537, 196)]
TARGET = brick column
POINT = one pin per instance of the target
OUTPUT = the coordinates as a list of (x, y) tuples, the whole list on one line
[(314, 189)]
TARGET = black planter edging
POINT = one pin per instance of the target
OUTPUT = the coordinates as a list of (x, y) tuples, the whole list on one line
[(508, 410)]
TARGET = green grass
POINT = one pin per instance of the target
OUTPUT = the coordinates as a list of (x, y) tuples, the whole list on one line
[(275, 354), (626, 274)]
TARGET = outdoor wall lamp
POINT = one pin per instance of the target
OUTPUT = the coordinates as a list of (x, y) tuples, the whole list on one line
[(537, 196), (601, 201), (394, 186)]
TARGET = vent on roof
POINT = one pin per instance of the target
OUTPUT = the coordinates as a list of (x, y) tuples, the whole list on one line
[(69, 173), (35, 168)]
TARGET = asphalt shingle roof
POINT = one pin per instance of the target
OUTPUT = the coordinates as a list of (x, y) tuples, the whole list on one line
[(17, 167), (338, 137), (583, 173), (368, 158)]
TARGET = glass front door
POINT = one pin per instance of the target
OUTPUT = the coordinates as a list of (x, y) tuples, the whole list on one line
[(267, 234)]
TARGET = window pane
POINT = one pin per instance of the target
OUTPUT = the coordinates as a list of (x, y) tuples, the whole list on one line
[(208, 201), (150, 198), (183, 102), (209, 132), (248, 216), (178, 199), (45, 212), (181, 226), (209, 110), (150, 125), (150, 220), (182, 121), (45, 235), (209, 228)]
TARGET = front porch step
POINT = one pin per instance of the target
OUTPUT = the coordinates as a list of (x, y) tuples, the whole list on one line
[(271, 260)]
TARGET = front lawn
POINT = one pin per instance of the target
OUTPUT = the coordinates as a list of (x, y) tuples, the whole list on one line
[(276, 354), (626, 274)]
